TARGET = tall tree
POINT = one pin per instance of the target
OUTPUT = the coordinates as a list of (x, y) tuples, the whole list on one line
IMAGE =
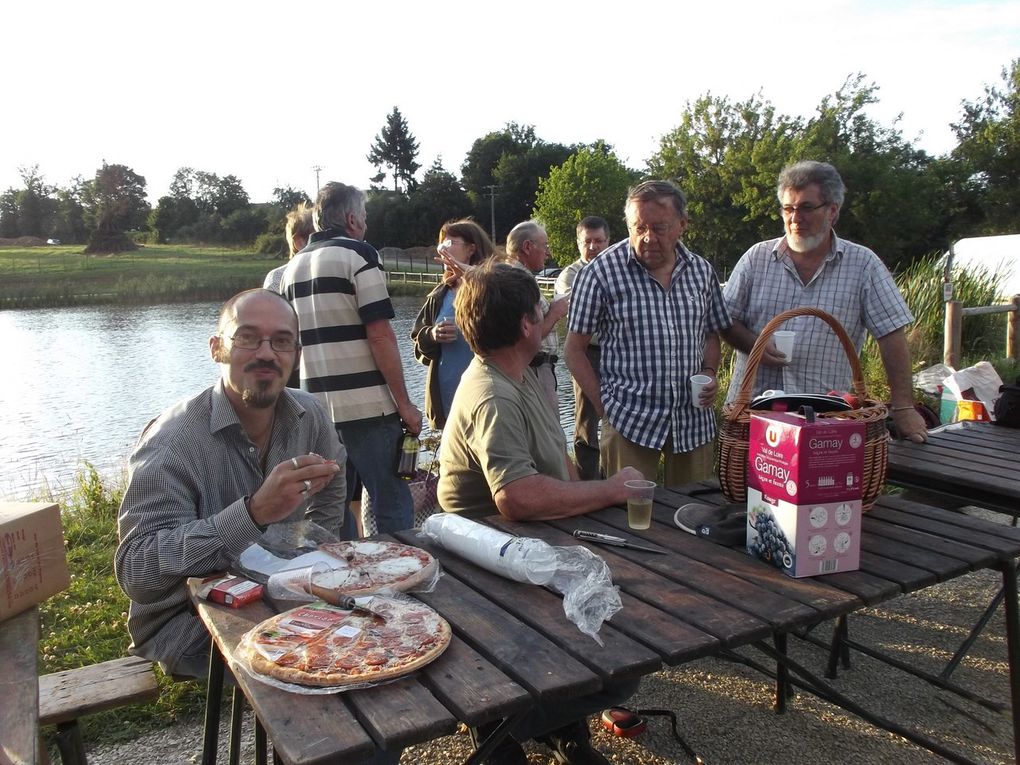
[(593, 181), (287, 197), (989, 155), (114, 202), (726, 156), (478, 172), (895, 200), (396, 148), (437, 199)]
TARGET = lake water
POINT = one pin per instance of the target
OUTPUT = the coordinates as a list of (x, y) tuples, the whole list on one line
[(83, 382)]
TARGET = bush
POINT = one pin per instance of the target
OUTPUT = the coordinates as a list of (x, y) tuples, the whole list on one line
[(271, 244)]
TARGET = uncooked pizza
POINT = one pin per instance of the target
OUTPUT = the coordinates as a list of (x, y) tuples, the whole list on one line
[(324, 645), (367, 566)]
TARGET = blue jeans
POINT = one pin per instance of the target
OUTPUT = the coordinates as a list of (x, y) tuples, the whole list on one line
[(372, 447)]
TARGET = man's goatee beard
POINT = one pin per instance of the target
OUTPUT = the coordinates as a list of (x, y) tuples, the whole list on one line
[(258, 399)]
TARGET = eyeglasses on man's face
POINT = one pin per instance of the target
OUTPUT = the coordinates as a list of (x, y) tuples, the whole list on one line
[(657, 229), (252, 341), (803, 209)]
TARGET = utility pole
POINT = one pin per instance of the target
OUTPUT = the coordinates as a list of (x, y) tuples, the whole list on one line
[(317, 169), (492, 211)]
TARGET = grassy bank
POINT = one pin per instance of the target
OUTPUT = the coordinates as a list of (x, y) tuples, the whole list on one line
[(47, 277), (87, 623)]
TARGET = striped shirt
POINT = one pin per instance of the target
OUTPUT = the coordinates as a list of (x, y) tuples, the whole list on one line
[(337, 287), (652, 340), (852, 284), (183, 511)]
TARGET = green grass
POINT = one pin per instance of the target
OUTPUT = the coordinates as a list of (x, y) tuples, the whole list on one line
[(87, 623), (36, 277)]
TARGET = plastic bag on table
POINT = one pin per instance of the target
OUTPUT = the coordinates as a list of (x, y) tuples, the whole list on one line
[(976, 383), (581, 576)]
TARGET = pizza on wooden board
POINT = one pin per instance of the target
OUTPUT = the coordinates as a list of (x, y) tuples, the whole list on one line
[(326, 646), (368, 566)]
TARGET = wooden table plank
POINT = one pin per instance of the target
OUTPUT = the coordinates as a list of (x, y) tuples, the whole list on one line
[(779, 610), (401, 713), (619, 657), (810, 591), (909, 548), (731, 625), (971, 461), (991, 546), (470, 687), (998, 531), (19, 689), (524, 654)]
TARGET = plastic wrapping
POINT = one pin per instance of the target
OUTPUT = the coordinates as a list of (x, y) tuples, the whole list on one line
[(333, 621), (581, 576)]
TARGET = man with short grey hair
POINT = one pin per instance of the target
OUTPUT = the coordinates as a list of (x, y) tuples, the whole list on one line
[(592, 239), (351, 360), (811, 266), (527, 244)]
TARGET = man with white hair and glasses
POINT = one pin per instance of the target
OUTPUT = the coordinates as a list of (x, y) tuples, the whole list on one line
[(811, 266)]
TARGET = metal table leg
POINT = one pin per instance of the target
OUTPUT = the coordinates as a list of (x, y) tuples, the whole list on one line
[(488, 746), (1009, 574), (213, 697), (260, 743), (236, 712)]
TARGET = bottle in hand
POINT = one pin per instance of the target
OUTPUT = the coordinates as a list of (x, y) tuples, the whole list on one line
[(407, 456)]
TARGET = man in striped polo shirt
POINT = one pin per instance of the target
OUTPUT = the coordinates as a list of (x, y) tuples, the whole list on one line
[(350, 359), (657, 309)]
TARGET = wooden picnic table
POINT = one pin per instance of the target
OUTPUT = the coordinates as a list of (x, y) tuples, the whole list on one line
[(976, 462), (19, 689), (513, 647)]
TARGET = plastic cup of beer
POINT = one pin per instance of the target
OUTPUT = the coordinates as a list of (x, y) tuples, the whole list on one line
[(784, 342), (698, 383), (639, 503)]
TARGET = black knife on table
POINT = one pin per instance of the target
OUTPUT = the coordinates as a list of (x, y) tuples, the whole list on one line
[(606, 539)]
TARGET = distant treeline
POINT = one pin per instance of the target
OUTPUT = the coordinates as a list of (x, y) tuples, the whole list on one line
[(726, 155)]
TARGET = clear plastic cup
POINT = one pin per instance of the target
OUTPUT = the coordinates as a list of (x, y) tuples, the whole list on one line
[(640, 495)]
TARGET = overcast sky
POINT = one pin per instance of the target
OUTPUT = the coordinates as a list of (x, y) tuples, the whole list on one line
[(266, 91)]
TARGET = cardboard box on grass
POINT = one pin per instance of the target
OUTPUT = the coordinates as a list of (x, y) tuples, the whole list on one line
[(33, 564), (804, 492)]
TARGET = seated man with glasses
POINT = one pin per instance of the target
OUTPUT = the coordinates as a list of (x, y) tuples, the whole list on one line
[(811, 266), (212, 472)]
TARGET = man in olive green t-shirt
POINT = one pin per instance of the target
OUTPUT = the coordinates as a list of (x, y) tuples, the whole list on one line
[(503, 450)]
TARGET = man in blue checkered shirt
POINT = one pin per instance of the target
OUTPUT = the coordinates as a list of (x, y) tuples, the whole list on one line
[(811, 266), (657, 309)]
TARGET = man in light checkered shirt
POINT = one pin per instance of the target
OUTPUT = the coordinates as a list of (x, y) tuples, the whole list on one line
[(811, 266)]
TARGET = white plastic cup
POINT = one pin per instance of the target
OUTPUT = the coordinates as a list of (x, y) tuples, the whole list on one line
[(784, 342), (698, 383), (640, 495)]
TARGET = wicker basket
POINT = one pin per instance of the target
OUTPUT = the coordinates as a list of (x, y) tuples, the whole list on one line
[(734, 433)]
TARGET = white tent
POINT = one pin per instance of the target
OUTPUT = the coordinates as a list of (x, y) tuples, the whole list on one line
[(996, 254)]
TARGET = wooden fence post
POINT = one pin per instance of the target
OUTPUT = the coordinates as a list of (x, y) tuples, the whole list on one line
[(952, 333), (1012, 323)]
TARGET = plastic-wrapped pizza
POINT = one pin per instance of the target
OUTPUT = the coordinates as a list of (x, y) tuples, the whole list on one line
[(322, 645), (367, 566)]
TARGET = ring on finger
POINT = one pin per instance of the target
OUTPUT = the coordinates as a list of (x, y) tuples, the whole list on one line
[(308, 486), (294, 462)]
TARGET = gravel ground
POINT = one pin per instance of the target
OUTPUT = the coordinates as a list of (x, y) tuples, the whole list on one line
[(724, 709)]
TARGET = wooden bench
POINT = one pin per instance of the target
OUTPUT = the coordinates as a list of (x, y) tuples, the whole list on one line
[(66, 696)]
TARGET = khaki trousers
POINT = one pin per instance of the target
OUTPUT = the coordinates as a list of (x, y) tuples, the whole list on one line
[(616, 452)]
